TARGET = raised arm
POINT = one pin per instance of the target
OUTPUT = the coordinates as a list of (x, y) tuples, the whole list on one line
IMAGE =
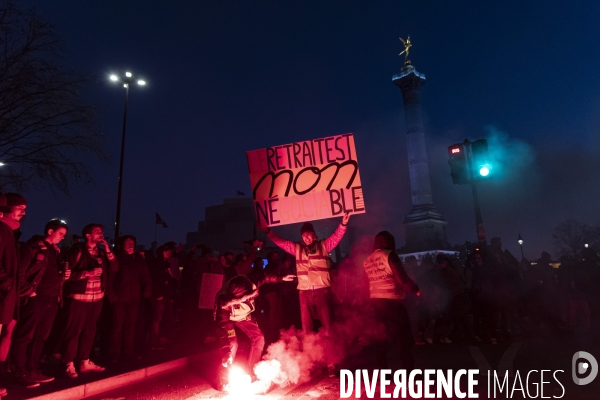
[(244, 267), (286, 245), (332, 241)]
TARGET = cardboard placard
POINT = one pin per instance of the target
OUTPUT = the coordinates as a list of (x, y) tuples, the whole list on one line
[(305, 181), (211, 285)]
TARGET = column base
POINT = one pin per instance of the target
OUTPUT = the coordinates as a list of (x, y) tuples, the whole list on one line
[(425, 229)]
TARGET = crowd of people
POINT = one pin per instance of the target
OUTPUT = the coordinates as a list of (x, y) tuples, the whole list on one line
[(491, 296), (88, 305), (81, 306)]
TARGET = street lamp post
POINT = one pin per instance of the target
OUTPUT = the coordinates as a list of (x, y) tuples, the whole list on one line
[(520, 241), (126, 80)]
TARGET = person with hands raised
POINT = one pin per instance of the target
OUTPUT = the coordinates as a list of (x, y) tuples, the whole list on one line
[(313, 269)]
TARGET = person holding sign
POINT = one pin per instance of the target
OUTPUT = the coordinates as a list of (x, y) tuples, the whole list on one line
[(313, 267)]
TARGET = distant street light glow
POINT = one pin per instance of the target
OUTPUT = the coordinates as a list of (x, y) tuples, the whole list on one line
[(2, 164), (126, 80)]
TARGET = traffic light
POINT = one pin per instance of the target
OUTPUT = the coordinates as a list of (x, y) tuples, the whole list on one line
[(458, 163), (480, 160)]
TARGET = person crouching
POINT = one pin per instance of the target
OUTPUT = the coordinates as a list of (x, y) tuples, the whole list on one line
[(234, 306)]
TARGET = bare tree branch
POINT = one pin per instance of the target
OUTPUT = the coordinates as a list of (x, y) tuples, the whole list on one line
[(47, 132), (571, 236)]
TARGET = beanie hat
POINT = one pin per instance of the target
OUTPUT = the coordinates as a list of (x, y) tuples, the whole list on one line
[(306, 228), (239, 286), (15, 199), (385, 241), (3, 207)]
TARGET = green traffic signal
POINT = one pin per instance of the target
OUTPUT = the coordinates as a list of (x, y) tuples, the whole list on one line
[(485, 170), (480, 160)]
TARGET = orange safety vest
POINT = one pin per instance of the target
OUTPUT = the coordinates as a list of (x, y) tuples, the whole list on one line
[(312, 269), (382, 284)]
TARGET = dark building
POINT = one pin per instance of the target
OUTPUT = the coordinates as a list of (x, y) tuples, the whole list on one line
[(228, 226)]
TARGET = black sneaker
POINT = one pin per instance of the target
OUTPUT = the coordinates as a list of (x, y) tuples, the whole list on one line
[(37, 376), (24, 381)]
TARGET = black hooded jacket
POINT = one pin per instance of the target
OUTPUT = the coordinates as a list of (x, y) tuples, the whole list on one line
[(40, 268), (240, 289), (132, 281)]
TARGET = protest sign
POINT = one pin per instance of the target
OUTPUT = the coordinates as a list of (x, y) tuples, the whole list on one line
[(305, 181), (211, 284)]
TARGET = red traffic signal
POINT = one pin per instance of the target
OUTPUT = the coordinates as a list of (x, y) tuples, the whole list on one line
[(458, 164)]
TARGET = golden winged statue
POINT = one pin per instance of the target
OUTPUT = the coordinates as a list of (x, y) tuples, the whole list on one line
[(407, 46)]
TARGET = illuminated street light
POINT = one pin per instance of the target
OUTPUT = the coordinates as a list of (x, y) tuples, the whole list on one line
[(520, 241), (127, 80), (2, 164)]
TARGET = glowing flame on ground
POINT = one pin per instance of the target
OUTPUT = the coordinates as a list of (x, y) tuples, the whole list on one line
[(239, 382), (290, 361), (240, 385)]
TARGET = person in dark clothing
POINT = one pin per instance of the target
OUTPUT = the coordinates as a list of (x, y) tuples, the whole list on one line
[(475, 264), (40, 279), (243, 263), (388, 283), (163, 291), (458, 305), (127, 286), (228, 268), (12, 210), (233, 309), (84, 292), (272, 295)]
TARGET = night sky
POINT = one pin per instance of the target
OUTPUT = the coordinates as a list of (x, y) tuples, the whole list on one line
[(229, 76)]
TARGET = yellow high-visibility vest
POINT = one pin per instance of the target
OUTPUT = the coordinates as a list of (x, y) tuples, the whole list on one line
[(312, 269), (382, 284)]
